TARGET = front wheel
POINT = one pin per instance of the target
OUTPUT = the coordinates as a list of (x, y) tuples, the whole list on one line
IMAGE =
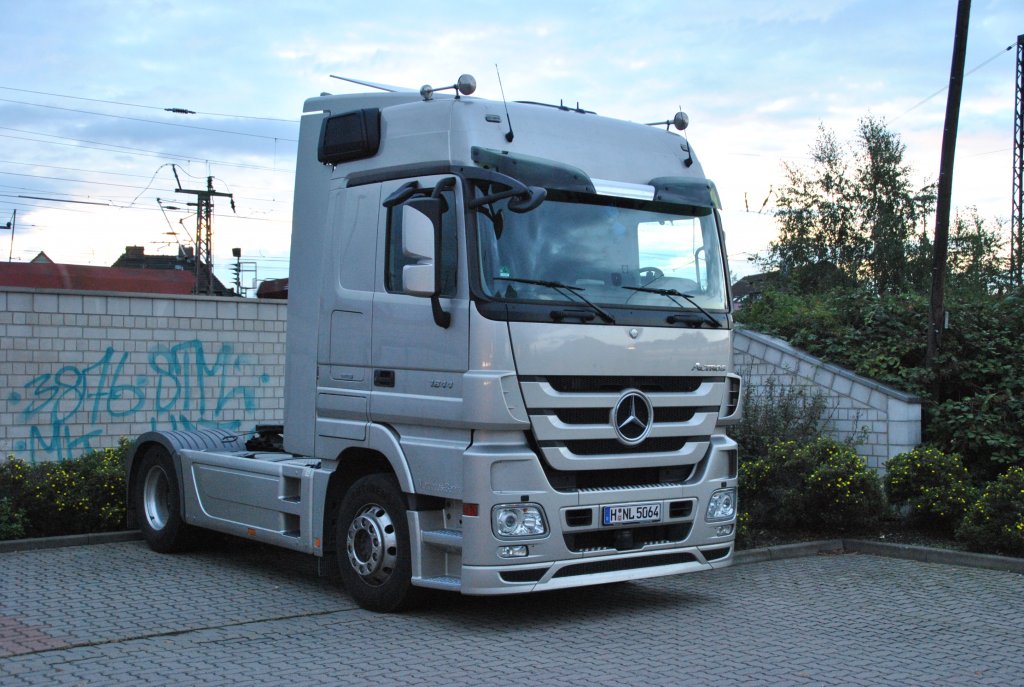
[(156, 496), (373, 544)]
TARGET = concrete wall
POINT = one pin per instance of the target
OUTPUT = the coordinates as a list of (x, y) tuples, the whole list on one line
[(884, 420), (80, 369)]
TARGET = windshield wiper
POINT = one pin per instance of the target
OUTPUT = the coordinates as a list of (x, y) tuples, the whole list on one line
[(563, 289), (671, 294)]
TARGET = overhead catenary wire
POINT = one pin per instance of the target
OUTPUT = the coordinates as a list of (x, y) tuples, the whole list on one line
[(148, 107), (946, 87), (150, 121), (142, 152)]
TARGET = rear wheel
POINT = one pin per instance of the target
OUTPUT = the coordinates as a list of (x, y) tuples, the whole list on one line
[(373, 544), (156, 496)]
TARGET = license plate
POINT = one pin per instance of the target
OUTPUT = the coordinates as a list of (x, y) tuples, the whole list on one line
[(629, 513)]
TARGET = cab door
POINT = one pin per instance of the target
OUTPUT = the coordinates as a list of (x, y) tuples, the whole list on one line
[(418, 365)]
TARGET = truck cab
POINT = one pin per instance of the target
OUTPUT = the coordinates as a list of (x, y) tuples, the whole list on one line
[(508, 366)]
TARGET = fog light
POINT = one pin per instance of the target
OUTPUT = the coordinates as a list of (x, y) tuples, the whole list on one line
[(513, 551), (722, 505), (518, 520), (723, 530)]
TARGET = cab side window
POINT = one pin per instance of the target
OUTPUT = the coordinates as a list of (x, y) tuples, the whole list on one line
[(396, 260)]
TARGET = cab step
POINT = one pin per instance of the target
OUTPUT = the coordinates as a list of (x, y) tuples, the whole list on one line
[(449, 540)]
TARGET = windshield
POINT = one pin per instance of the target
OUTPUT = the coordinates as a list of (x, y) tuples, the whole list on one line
[(605, 248)]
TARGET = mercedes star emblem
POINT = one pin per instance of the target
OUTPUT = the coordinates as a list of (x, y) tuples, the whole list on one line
[(632, 417)]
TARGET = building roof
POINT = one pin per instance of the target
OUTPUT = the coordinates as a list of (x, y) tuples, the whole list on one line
[(89, 278)]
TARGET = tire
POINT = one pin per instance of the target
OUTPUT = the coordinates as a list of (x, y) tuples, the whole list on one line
[(156, 497), (373, 545)]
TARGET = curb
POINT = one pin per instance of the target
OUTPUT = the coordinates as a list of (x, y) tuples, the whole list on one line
[(783, 551), (922, 554), (925, 554), (68, 540)]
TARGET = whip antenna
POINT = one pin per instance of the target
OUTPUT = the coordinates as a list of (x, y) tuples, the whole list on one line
[(509, 135)]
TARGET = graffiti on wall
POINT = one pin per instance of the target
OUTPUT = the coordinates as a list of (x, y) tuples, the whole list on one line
[(183, 387)]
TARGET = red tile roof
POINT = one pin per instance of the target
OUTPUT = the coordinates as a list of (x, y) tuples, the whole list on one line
[(89, 278)]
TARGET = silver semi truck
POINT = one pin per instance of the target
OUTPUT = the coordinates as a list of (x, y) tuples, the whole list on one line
[(509, 359)]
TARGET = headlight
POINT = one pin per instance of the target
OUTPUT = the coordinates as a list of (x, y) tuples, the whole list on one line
[(518, 520), (722, 505)]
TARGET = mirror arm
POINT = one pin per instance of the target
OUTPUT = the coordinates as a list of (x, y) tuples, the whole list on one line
[(402, 194), (441, 318)]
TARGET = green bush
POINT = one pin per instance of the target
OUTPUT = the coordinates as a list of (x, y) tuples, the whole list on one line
[(12, 521), (995, 523), (68, 497), (822, 486), (843, 494), (930, 488)]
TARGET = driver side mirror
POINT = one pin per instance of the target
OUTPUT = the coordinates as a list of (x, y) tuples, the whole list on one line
[(421, 230)]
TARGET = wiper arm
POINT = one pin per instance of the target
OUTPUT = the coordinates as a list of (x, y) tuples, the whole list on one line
[(563, 289), (671, 294)]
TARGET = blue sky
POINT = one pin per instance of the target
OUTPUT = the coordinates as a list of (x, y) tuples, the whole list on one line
[(756, 78)]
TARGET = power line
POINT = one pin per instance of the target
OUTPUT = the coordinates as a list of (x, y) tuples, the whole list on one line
[(148, 107), (128, 186), (143, 152), (149, 121), (127, 174), (946, 88)]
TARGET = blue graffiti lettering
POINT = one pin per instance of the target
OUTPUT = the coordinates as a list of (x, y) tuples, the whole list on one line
[(185, 388)]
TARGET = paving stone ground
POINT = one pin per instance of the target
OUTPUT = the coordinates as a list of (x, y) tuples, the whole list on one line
[(237, 614)]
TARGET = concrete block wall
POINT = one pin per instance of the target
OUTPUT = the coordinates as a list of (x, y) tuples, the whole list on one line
[(79, 370), (884, 421)]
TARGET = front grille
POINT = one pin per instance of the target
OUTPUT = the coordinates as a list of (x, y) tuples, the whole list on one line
[(601, 447), (594, 567), (583, 385), (602, 416), (627, 538), (582, 424), (625, 478)]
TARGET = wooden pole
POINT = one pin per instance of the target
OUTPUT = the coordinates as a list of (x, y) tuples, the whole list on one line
[(937, 311)]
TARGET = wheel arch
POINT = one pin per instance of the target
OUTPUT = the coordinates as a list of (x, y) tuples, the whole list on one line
[(171, 441)]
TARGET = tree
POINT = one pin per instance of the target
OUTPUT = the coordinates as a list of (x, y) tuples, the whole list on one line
[(846, 222), (975, 266), (818, 245), (888, 208)]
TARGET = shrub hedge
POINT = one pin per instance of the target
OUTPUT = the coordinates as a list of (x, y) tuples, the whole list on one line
[(930, 489), (77, 496), (821, 487), (995, 523)]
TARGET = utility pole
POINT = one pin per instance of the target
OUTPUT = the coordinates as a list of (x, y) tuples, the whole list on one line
[(937, 311), (204, 231), (1017, 197)]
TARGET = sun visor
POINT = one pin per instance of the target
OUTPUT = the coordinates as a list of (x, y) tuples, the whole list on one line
[(534, 171), (684, 191)]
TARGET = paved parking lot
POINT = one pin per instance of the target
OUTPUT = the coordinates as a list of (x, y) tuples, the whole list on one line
[(238, 614)]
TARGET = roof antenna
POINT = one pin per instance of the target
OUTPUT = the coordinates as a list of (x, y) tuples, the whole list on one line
[(508, 135)]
